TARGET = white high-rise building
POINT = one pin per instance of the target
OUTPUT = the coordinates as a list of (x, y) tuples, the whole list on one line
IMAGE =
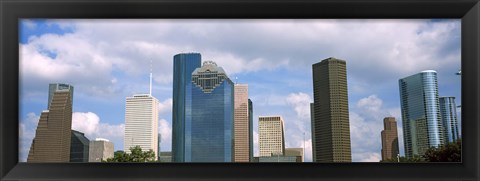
[(271, 135), (141, 123)]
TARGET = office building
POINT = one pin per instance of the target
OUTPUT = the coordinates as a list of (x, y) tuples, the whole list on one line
[(141, 123), (271, 136), (250, 129), (159, 143), (242, 124), (280, 158), (209, 116), (331, 118), (79, 148), (448, 110), (389, 136), (295, 152), (183, 66), (312, 126), (421, 120), (100, 149), (165, 156), (53, 134)]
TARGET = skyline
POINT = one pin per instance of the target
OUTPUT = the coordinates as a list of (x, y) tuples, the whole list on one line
[(275, 86)]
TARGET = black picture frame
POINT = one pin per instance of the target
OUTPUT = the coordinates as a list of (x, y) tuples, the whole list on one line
[(12, 10)]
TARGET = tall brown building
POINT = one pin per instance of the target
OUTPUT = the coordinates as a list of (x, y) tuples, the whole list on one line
[(53, 135), (331, 130), (389, 139), (242, 132)]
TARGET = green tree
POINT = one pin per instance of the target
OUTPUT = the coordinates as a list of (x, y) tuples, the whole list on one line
[(450, 152), (403, 159), (136, 155)]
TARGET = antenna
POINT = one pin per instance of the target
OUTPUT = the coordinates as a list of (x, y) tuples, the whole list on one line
[(150, 77)]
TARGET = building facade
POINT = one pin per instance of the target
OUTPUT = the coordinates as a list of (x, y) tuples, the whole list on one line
[(271, 136), (53, 134), (79, 148), (209, 120), (183, 66), (448, 110), (165, 156), (100, 149), (242, 124), (312, 129), (296, 152), (141, 123), (421, 119), (331, 129), (389, 135), (250, 128)]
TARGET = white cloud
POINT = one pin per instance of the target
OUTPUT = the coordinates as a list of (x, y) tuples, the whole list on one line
[(29, 23), (165, 129), (90, 124), (256, 148), (165, 106), (301, 104)]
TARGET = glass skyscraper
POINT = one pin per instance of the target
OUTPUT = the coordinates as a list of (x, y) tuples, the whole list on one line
[(422, 124), (183, 66), (209, 116), (448, 109)]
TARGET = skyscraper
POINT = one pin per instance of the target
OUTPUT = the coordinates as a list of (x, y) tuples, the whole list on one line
[(53, 134), (331, 129), (250, 128), (242, 132), (421, 120), (79, 148), (141, 123), (271, 136), (100, 149), (209, 116), (448, 110), (183, 66), (389, 139), (312, 128)]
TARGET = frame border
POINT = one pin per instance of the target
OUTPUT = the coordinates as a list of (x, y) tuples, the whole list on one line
[(13, 10)]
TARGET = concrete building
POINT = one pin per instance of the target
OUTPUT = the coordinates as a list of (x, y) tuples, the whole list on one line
[(52, 139), (183, 66), (389, 136), (331, 129), (79, 147), (420, 107), (100, 149), (242, 124), (448, 110), (295, 152), (271, 135), (141, 123)]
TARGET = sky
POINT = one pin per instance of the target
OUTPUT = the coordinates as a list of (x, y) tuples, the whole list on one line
[(109, 60)]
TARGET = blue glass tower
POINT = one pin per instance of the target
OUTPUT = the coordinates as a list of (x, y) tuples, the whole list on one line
[(183, 66), (422, 124), (209, 116), (448, 110)]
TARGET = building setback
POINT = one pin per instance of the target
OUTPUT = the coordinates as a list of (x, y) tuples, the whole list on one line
[(53, 134), (331, 129), (271, 136), (242, 132), (448, 110), (79, 148), (389, 139), (209, 119), (141, 123), (421, 120), (100, 149), (183, 66)]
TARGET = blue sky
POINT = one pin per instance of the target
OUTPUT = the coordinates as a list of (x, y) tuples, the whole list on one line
[(108, 60)]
